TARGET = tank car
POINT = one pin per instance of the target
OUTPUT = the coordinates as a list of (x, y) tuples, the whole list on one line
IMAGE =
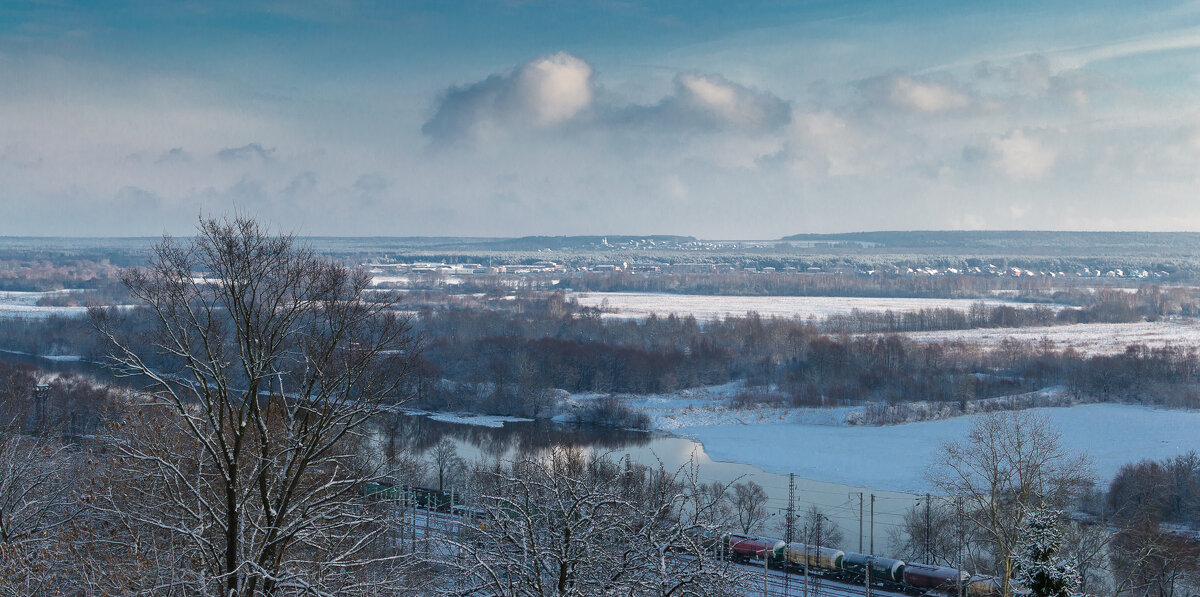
[(824, 558), (886, 571), (934, 578), (983, 586), (744, 547)]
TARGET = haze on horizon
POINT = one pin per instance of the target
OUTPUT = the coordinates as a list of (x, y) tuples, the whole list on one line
[(510, 118)]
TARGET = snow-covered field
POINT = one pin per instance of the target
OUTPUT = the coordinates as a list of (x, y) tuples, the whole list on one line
[(710, 406), (1089, 338), (636, 305), (24, 304), (466, 418), (896, 457)]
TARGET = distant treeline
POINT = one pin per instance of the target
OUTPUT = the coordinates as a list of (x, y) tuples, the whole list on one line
[(1126, 243), (508, 355), (1157, 300), (504, 358), (1153, 492)]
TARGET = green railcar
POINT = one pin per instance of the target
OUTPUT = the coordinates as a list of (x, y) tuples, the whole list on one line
[(884, 570)]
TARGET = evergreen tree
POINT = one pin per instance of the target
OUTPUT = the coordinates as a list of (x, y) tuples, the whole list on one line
[(1037, 564)]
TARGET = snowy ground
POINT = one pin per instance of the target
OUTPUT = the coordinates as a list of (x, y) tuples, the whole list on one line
[(24, 304), (467, 418), (710, 406), (895, 457), (830, 445), (635, 305), (1090, 338)]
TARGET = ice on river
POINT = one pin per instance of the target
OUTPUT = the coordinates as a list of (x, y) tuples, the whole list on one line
[(896, 457)]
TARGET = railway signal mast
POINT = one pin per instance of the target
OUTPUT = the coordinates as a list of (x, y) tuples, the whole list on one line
[(791, 528)]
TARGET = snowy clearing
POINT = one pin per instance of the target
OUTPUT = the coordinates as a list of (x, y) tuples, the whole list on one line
[(637, 305), (1087, 338), (24, 304), (494, 421), (710, 406), (895, 457)]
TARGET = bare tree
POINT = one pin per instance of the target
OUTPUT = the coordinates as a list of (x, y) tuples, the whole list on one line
[(716, 495), (565, 525), (822, 530), (750, 505), (928, 534), (36, 476), (1008, 464), (267, 360), (36, 508), (445, 460), (1146, 557)]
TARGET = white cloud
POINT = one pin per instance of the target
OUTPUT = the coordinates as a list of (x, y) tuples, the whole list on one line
[(554, 88), (716, 101), (1022, 157), (916, 95), (542, 93), (552, 91)]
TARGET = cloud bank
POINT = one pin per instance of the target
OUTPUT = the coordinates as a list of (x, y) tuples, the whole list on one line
[(560, 91), (516, 118)]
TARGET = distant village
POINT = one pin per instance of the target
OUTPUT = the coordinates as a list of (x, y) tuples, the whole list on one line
[(989, 270)]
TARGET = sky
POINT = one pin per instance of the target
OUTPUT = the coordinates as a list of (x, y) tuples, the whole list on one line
[(723, 120)]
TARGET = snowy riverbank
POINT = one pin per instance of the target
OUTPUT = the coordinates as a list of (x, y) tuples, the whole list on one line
[(833, 444)]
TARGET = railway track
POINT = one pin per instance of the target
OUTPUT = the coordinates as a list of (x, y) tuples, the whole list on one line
[(791, 584), (777, 583)]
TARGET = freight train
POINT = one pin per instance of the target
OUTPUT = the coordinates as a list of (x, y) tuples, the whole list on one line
[(888, 573), (910, 577)]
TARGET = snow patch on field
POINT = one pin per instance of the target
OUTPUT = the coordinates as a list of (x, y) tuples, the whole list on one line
[(1087, 338), (718, 405), (24, 304), (638, 305), (494, 421)]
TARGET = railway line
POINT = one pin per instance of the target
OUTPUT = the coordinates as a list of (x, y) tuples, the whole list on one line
[(780, 583), (431, 518)]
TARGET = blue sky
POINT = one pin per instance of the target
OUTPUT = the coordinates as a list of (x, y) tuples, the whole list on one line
[(717, 119)]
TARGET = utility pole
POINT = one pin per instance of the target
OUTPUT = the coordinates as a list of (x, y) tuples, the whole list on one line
[(805, 560), (791, 509), (40, 394), (817, 586), (766, 569), (791, 529), (959, 512), (867, 577), (872, 524), (927, 525), (860, 520)]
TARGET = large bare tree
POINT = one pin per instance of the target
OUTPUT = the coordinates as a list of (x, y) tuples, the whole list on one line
[(267, 359), (37, 511), (750, 505), (1007, 465), (567, 524)]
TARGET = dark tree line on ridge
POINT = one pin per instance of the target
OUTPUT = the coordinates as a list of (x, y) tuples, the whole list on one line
[(507, 356)]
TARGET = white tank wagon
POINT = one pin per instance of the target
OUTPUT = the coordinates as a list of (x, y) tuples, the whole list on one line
[(810, 556)]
